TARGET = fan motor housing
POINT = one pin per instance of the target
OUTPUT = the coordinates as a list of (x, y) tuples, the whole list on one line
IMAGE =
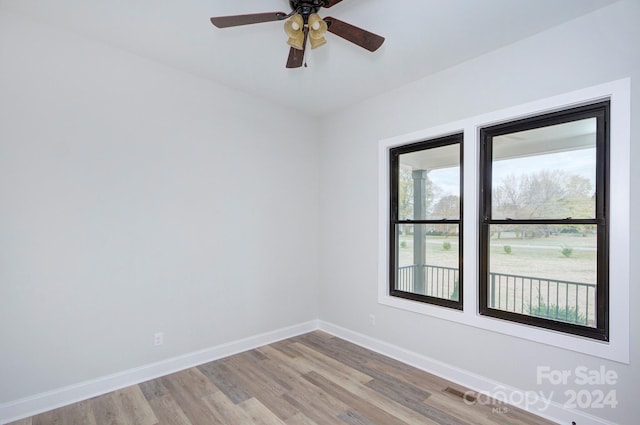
[(306, 7)]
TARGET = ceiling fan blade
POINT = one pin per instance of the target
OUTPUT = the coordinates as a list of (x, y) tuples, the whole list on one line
[(296, 57), (254, 18), (329, 3), (362, 38)]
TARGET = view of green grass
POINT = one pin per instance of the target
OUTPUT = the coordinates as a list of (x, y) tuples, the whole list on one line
[(540, 257)]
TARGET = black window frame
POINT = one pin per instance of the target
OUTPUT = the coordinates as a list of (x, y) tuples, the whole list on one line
[(600, 111), (394, 155)]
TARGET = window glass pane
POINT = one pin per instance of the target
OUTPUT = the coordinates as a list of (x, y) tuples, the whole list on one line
[(547, 172), (429, 184), (427, 260), (544, 270)]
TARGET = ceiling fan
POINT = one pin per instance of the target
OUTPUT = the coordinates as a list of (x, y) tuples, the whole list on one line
[(303, 23)]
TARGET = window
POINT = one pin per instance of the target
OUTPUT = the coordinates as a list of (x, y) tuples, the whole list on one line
[(543, 253), (570, 253), (426, 222)]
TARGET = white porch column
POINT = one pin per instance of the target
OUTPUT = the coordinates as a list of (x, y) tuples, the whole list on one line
[(419, 230)]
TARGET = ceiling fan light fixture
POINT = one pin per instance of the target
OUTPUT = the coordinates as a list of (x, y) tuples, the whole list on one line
[(293, 27), (317, 30), (303, 23)]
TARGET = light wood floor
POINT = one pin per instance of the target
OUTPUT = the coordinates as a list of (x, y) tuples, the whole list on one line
[(310, 379)]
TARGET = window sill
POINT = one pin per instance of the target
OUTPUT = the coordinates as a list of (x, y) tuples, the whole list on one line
[(606, 350)]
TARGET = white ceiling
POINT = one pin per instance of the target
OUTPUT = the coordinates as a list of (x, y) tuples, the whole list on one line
[(422, 37)]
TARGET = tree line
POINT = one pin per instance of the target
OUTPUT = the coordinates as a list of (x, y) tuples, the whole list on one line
[(546, 194)]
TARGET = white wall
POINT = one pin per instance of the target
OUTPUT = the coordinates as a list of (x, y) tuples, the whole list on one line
[(136, 199), (595, 49)]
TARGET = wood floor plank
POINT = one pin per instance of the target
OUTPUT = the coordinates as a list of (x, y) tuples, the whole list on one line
[(413, 376), (153, 389), (134, 406), (259, 414), (297, 419), (387, 371), (259, 374), (304, 365), (284, 347), (510, 414), (311, 379), (352, 417), (254, 355), (333, 347), (296, 365), (344, 352), (315, 403), (74, 414), (107, 410), (413, 401), (321, 335), (48, 418), (351, 383), (474, 414), (267, 382), (168, 412), (225, 410), (305, 397), (189, 398), (379, 400), (223, 378), (324, 364), (403, 392), (194, 381), (78, 414), (356, 404), (316, 412)]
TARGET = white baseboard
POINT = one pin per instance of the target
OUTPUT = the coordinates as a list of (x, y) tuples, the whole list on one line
[(43, 402), (554, 411)]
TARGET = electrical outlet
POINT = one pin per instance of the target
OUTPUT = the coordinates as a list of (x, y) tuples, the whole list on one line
[(372, 319), (158, 338)]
